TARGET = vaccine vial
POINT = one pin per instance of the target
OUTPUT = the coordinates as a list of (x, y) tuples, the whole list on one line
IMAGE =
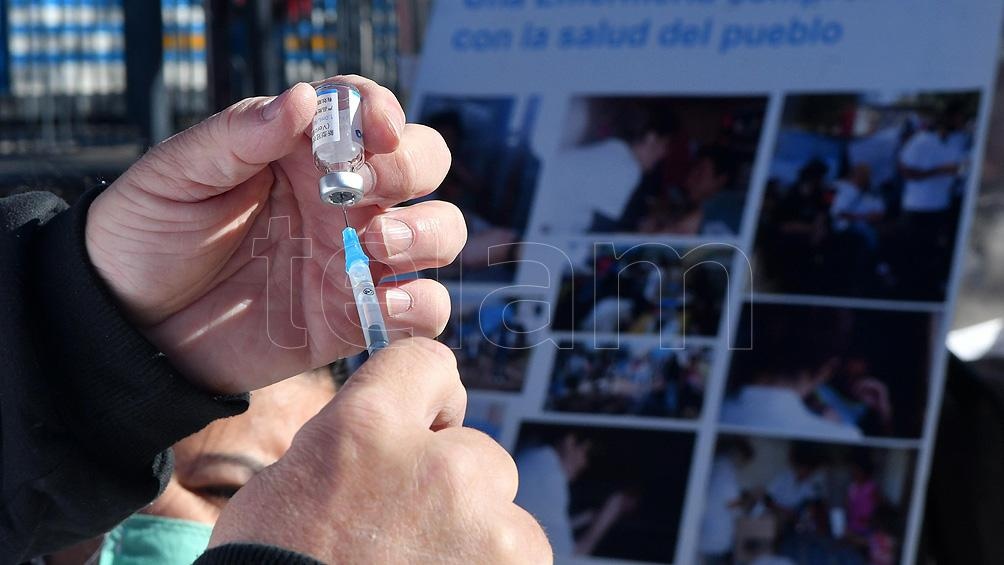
[(337, 140)]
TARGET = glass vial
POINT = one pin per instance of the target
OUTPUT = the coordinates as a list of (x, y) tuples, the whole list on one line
[(337, 140)]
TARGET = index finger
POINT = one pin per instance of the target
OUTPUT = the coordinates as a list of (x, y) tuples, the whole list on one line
[(382, 115), (413, 381)]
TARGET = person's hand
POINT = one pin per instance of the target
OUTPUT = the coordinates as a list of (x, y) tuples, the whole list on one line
[(386, 474), (616, 505), (826, 371), (219, 248), (874, 394)]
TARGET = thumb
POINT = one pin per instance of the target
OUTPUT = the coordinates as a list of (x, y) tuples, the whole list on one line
[(413, 380), (229, 147)]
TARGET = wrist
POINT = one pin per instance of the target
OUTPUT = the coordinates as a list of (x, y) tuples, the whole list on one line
[(107, 263)]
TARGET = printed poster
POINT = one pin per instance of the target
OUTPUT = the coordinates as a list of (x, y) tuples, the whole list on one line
[(713, 252)]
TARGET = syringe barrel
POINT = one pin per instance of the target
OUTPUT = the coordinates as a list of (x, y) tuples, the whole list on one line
[(370, 316)]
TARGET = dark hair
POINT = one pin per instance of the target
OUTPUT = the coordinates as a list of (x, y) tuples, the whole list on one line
[(814, 170), (862, 458), (554, 436), (723, 160), (551, 436), (639, 119), (806, 455), (788, 368), (955, 108), (946, 116), (738, 445)]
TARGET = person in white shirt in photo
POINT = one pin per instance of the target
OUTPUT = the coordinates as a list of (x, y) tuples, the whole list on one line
[(546, 473), (800, 482), (856, 215), (775, 400), (857, 208), (717, 539), (595, 182), (931, 164)]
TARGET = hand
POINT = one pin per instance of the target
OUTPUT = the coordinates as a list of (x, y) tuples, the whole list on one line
[(386, 474), (826, 370), (218, 246), (616, 505), (875, 394)]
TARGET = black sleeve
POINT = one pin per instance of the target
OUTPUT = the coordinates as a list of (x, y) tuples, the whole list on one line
[(88, 407), (243, 553)]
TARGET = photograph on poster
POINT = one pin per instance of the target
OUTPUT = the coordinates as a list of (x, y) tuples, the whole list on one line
[(648, 164), (631, 378), (829, 372), (485, 415), (492, 179), (644, 289), (604, 492), (864, 194), (799, 503), (490, 337)]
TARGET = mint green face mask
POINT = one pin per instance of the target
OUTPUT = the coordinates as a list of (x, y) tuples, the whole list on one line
[(154, 540)]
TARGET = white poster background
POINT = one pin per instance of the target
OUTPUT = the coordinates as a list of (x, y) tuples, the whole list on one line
[(484, 48)]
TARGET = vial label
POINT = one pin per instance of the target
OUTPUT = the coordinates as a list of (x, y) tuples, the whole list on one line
[(326, 119), (356, 117), (337, 135)]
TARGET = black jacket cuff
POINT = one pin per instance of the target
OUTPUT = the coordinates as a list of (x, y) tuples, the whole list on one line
[(242, 553), (111, 386)]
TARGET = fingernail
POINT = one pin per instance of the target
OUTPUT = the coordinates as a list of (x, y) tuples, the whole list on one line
[(390, 235), (395, 123), (271, 109), (398, 302)]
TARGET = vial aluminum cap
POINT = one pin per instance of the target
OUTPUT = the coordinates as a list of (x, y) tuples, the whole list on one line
[(342, 188)]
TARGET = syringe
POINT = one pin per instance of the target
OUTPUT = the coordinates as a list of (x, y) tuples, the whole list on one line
[(357, 266), (337, 142)]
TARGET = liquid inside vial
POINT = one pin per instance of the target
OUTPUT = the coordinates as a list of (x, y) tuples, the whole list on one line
[(337, 132)]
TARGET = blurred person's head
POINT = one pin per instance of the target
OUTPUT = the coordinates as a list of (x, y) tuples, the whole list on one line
[(952, 118), (574, 453), (713, 170), (812, 177), (861, 176), (209, 467), (659, 383), (857, 366), (801, 372), (738, 449), (648, 132), (805, 459)]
